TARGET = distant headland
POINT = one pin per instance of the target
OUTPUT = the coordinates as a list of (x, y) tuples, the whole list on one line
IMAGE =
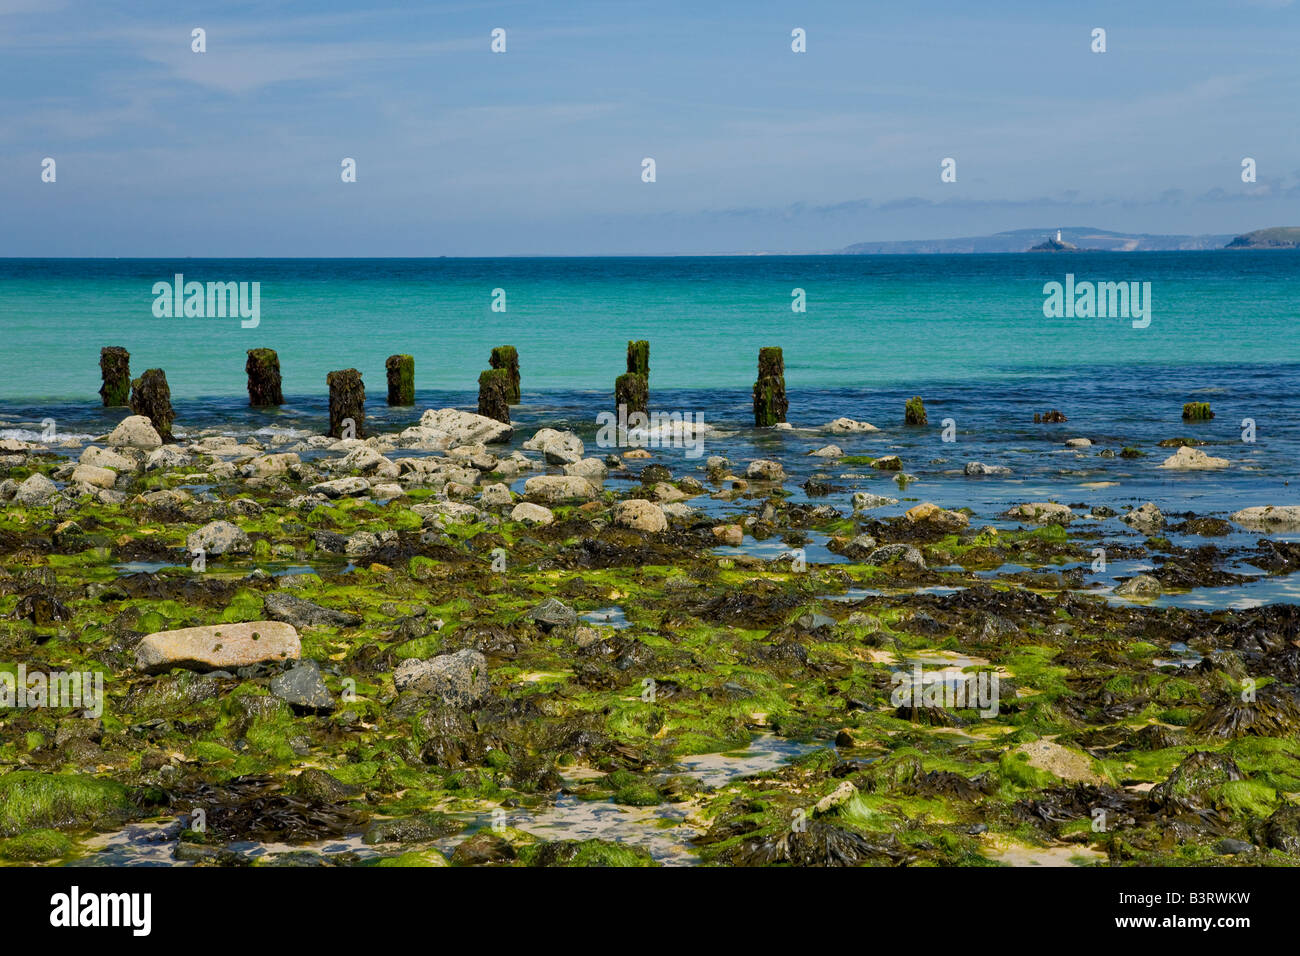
[(1081, 239), (1279, 237)]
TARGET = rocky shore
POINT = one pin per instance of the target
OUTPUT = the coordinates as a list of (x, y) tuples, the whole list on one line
[(416, 646)]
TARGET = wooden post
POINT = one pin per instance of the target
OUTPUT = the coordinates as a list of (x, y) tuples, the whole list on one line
[(347, 402), (151, 398), (493, 394), (638, 358), (401, 379), (914, 412), (115, 370), (631, 391), (506, 357), (263, 368), (770, 404)]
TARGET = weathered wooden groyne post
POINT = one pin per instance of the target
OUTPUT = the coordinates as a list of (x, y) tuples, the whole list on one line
[(494, 394), (115, 370), (631, 394), (506, 358), (401, 380), (638, 358), (263, 368), (151, 397), (347, 402), (914, 412), (770, 404), (632, 388)]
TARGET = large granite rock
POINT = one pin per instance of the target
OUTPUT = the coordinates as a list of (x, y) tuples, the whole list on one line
[(553, 488), (640, 515), (462, 428), (135, 431), (35, 490)]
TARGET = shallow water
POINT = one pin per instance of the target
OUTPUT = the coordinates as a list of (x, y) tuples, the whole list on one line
[(663, 830)]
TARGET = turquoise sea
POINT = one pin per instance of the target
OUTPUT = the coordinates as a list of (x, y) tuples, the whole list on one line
[(871, 321), (966, 332)]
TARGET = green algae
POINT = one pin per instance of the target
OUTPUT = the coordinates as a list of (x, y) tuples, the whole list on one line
[(36, 846), (30, 799), (718, 682), (414, 858), (585, 853)]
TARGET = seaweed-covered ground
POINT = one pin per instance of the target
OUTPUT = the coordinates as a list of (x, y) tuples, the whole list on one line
[(486, 648)]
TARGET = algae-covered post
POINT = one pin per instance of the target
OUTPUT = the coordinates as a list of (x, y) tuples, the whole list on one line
[(347, 401), (493, 394), (914, 412), (632, 393), (263, 368), (401, 380), (1197, 412), (115, 369), (151, 398), (770, 404), (638, 358), (506, 357)]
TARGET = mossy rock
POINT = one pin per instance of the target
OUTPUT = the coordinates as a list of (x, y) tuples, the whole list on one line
[(30, 799), (1197, 412), (415, 858), (592, 852), (36, 846)]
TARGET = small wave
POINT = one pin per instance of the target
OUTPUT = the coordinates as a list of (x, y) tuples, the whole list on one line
[(27, 434)]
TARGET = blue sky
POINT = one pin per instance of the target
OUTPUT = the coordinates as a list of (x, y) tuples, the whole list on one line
[(537, 151)]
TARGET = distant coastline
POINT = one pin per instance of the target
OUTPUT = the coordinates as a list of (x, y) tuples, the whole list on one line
[(1079, 239)]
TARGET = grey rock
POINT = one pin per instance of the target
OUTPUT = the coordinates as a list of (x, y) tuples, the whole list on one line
[(219, 537), (865, 501), (897, 552), (459, 679), (1146, 519), (303, 689), (1229, 847), (860, 547), (301, 613), (36, 489), (1142, 587), (552, 613)]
